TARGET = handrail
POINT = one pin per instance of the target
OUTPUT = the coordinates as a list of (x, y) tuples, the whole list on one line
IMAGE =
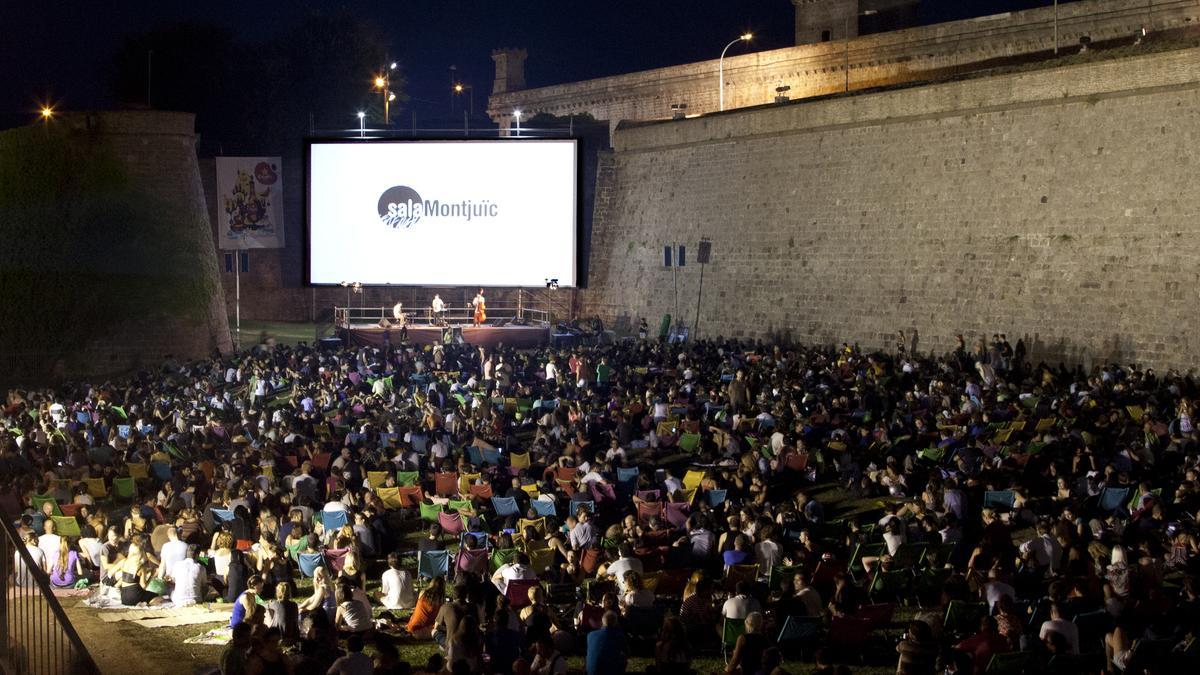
[(347, 317), (36, 637)]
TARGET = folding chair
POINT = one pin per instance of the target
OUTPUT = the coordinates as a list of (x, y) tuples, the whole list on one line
[(410, 496), (138, 471), (627, 474), (649, 495), (96, 487), (452, 523), (962, 618), (538, 524), (692, 479), (466, 481), (517, 592), (676, 513), (689, 442), (431, 512), (71, 510), (334, 520), (38, 500), (445, 484), (849, 633), (500, 557), (161, 470), (309, 562), (505, 506), (731, 630), (1112, 499), (879, 615), (407, 478), (736, 574), (715, 498), (461, 505), (602, 492), (1001, 500), (543, 508), (66, 526), (648, 510), (125, 488), (431, 564), (376, 479), (481, 492), (589, 562), (799, 632), (780, 572), (473, 561), (541, 559), (519, 461), (390, 497)]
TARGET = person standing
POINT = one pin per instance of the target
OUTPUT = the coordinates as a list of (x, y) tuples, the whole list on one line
[(439, 310), (480, 305)]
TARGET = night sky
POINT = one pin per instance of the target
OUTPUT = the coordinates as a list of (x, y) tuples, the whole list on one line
[(63, 50)]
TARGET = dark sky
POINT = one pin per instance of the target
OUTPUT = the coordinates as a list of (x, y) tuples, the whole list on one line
[(63, 50)]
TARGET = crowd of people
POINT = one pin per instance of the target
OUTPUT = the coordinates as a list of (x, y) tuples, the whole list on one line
[(765, 508)]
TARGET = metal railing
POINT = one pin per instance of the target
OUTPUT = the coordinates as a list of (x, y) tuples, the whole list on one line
[(361, 317), (36, 638)]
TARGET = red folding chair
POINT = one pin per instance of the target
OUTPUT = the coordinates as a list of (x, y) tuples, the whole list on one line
[(446, 484), (517, 592)]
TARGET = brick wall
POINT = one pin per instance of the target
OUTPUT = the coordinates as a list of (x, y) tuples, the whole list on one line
[(817, 69), (1055, 204)]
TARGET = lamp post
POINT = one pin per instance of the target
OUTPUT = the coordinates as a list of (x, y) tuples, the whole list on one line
[(1056, 27), (517, 116), (459, 88), (745, 37), (383, 83), (846, 41), (362, 121)]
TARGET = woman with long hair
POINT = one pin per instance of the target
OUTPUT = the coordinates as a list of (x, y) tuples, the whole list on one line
[(420, 625), (323, 595), (66, 569)]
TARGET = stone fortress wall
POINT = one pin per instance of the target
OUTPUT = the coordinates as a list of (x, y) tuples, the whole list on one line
[(1056, 205)]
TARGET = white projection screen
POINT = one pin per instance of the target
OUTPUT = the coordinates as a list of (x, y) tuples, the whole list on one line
[(443, 213)]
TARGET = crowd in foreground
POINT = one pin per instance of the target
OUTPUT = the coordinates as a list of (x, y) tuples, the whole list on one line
[(764, 508)]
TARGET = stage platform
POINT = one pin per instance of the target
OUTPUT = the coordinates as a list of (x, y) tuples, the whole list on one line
[(488, 337)]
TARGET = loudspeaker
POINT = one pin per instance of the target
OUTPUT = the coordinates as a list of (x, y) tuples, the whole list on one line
[(705, 251)]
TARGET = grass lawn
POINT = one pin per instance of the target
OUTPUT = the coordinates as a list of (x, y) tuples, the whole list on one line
[(285, 332)]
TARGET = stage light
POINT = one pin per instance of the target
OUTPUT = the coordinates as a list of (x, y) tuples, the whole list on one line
[(393, 66), (47, 112), (361, 114), (379, 82)]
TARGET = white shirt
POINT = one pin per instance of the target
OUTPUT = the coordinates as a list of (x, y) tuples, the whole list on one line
[(397, 589), (49, 544), (551, 371), (739, 607), (439, 305), (509, 572), (172, 552), (1068, 630), (190, 581), (620, 567)]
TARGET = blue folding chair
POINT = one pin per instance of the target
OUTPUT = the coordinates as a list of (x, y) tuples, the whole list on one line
[(474, 456), (543, 507), (1112, 499), (420, 444), (999, 499), (505, 506), (309, 562), (83, 417), (626, 474), (123, 430), (221, 515), (333, 520), (161, 470), (715, 497), (490, 456), (431, 564)]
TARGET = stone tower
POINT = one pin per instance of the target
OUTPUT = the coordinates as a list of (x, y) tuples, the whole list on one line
[(833, 20), (510, 69)]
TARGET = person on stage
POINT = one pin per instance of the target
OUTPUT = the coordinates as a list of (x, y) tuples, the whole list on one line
[(439, 310), (398, 313), (480, 308)]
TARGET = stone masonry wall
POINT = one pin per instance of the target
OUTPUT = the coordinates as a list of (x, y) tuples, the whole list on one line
[(1057, 205), (872, 60)]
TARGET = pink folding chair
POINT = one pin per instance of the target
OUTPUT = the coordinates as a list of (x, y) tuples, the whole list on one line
[(451, 523), (648, 510), (676, 513)]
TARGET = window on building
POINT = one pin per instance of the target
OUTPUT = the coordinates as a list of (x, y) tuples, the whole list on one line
[(229, 263), (825, 35)]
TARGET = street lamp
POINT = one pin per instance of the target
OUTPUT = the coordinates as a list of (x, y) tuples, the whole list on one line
[(383, 83), (517, 116), (47, 112), (745, 37), (362, 120), (459, 87)]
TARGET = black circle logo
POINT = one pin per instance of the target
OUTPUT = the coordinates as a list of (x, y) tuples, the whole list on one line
[(400, 206)]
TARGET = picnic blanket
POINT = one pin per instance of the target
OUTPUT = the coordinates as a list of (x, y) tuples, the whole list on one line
[(216, 636)]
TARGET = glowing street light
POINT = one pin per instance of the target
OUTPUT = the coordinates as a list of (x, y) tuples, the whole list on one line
[(362, 121), (517, 116), (47, 112), (383, 83), (745, 37)]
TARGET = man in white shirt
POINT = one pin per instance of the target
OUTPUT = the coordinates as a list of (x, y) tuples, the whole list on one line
[(439, 308), (172, 552), (741, 604), (551, 371), (191, 580), (517, 569), (1057, 624), (49, 542), (626, 563), (396, 586)]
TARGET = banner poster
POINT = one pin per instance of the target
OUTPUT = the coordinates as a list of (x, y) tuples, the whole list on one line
[(249, 202)]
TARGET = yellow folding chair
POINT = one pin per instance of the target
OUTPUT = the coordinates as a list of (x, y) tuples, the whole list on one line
[(96, 487), (520, 461), (390, 497), (376, 478), (138, 471), (692, 479)]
